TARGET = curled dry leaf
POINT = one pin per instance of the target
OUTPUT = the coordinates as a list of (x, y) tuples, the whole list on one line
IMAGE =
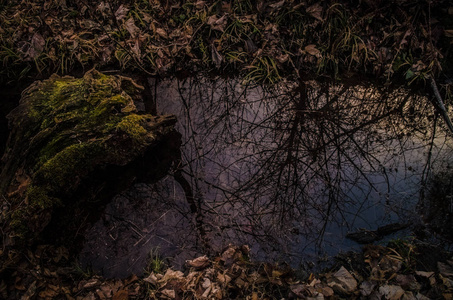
[(199, 262)]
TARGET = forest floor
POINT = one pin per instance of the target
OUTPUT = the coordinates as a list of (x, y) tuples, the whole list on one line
[(402, 270), (264, 42)]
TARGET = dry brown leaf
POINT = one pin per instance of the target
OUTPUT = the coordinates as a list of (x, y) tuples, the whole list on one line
[(121, 12), (170, 275), (91, 283), (199, 262), (121, 295), (277, 5), (312, 50), (217, 23), (131, 28), (391, 292), (343, 282), (216, 57), (37, 46), (151, 279), (282, 58), (171, 294), (162, 33), (316, 11)]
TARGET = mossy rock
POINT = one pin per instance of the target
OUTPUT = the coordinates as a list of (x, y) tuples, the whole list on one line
[(65, 131)]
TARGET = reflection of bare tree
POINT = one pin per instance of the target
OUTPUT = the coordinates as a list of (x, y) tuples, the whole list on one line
[(288, 171), (294, 159)]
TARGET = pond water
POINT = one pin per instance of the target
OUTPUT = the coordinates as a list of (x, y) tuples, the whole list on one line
[(287, 171)]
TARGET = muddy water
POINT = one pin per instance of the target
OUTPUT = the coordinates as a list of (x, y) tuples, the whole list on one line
[(288, 171)]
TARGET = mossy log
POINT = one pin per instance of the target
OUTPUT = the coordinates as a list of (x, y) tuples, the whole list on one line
[(70, 135)]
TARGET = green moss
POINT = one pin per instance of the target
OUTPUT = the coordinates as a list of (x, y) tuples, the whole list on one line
[(132, 126), (66, 128), (61, 171)]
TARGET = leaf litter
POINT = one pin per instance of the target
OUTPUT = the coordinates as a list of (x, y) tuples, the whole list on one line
[(49, 273)]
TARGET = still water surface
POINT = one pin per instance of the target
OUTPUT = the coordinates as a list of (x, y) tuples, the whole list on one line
[(288, 171)]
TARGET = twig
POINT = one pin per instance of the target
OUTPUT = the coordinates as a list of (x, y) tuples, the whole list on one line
[(440, 104)]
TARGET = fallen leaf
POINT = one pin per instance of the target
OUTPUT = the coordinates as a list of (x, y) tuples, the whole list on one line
[(445, 269), (217, 23), (91, 283), (216, 57), (151, 279), (342, 281), (391, 292), (169, 293), (121, 295), (131, 28), (199, 262), (170, 275), (316, 11), (367, 287), (312, 50), (162, 33), (277, 5), (121, 12), (37, 46)]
